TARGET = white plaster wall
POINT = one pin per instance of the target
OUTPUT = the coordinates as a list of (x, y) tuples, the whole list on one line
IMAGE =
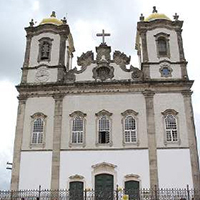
[(87, 75), (170, 101), (174, 168), (114, 103), (44, 105), (35, 50), (31, 77), (35, 170), (127, 162), (155, 71), (173, 45)]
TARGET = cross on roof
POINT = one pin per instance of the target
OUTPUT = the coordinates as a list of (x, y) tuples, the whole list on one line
[(103, 34)]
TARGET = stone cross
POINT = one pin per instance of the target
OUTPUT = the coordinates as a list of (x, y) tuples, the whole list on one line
[(103, 34)]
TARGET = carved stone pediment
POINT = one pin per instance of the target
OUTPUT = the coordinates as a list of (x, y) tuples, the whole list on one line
[(131, 176), (121, 59), (129, 112), (103, 165), (85, 59), (103, 112), (77, 113), (76, 176), (170, 111), (103, 50)]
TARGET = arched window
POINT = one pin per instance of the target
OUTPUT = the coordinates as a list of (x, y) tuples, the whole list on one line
[(130, 134), (104, 135), (171, 128), (129, 122), (38, 128), (78, 121), (104, 130), (45, 49), (77, 130)]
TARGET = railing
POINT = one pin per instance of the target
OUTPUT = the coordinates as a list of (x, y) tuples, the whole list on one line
[(118, 194)]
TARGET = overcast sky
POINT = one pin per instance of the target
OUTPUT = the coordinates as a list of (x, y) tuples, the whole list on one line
[(85, 18)]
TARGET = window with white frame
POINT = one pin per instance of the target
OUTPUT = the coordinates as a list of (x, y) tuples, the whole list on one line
[(129, 122), (104, 130), (38, 126), (130, 133), (77, 128), (104, 127), (171, 128)]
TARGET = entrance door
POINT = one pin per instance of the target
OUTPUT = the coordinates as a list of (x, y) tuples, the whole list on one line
[(132, 189), (76, 190), (104, 187)]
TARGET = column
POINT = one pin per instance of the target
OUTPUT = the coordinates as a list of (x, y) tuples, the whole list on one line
[(151, 138), (192, 138), (56, 141), (18, 143)]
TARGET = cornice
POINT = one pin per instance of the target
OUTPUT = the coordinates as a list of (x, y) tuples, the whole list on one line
[(50, 28), (159, 23)]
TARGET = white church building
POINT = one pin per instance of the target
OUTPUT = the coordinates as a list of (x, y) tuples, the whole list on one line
[(105, 124)]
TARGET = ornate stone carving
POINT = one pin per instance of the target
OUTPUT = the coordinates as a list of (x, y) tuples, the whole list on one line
[(104, 164), (129, 112), (103, 112), (103, 71), (137, 74), (77, 113), (170, 111), (85, 59), (70, 76), (76, 176), (121, 59), (166, 71), (38, 114), (103, 50), (128, 176)]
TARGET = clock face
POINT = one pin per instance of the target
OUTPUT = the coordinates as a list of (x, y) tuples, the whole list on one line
[(42, 74)]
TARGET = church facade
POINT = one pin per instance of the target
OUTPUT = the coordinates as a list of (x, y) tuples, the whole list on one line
[(105, 124)]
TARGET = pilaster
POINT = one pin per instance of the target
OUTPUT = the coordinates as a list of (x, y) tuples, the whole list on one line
[(26, 58), (192, 139), (145, 65), (56, 141), (18, 143), (151, 133), (61, 63)]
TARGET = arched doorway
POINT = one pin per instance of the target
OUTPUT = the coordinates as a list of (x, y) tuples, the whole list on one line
[(104, 189), (132, 189)]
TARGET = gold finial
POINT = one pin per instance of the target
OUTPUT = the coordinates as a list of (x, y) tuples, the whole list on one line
[(154, 9), (53, 14)]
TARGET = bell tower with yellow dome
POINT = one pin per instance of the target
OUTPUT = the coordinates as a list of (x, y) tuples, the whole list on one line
[(49, 51), (160, 47)]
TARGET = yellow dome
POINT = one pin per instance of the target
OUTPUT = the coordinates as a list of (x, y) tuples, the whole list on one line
[(51, 20), (156, 15)]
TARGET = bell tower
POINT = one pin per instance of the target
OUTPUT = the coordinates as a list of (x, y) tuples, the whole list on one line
[(49, 51), (160, 47)]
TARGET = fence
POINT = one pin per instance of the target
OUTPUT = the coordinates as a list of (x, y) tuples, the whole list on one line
[(118, 194)]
